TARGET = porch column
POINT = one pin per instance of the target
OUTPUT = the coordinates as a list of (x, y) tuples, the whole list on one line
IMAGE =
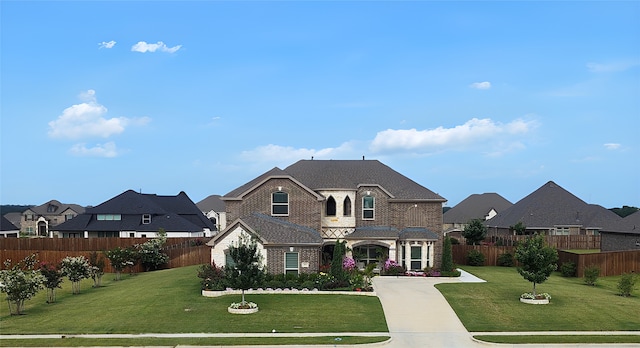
[(86, 234), (392, 251)]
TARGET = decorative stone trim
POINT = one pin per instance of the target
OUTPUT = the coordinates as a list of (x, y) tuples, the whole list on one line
[(242, 311), (211, 293), (530, 301)]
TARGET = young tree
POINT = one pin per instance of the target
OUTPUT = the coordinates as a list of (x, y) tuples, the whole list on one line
[(475, 231), (53, 278), (536, 259), (97, 268), (76, 269), (120, 258), (447, 256), (20, 282), (151, 254), (247, 271)]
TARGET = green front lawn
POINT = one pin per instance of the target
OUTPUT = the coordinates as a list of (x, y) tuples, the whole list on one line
[(494, 306), (170, 301)]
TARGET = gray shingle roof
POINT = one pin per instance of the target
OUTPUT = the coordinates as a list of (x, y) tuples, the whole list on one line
[(213, 202), (171, 213), (374, 232), (58, 207), (6, 225), (551, 205), (629, 224), (476, 206), (346, 174), (274, 231), (417, 233)]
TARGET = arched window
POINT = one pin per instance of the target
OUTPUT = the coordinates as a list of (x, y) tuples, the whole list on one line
[(280, 203), (331, 206), (346, 206)]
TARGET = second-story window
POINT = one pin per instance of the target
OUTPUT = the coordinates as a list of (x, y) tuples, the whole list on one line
[(280, 203), (331, 206), (346, 206), (146, 219), (368, 207)]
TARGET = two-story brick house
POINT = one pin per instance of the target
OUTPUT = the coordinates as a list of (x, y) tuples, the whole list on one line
[(300, 212), (42, 220)]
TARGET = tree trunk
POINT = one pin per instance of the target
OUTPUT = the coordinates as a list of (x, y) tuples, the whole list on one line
[(534, 289), (243, 297)]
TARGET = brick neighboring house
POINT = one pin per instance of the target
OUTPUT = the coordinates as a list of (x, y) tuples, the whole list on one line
[(622, 235), (552, 210), (41, 220), (8, 229), (133, 214), (300, 212), (476, 206)]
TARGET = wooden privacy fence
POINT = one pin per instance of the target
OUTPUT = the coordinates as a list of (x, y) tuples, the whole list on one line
[(181, 251), (558, 242), (610, 263)]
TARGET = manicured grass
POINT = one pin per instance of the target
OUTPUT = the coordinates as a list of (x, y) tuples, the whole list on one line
[(495, 306), (583, 251), (170, 301), (546, 339), (172, 342)]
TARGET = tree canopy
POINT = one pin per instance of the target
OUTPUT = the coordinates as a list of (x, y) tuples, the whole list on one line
[(475, 231), (537, 260), (246, 272)]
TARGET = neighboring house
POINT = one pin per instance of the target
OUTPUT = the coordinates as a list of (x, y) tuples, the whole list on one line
[(297, 215), (552, 210), (42, 220), (213, 208), (476, 206), (133, 214), (623, 235), (7, 229)]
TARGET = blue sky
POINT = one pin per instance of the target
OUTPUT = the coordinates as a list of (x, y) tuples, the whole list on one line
[(203, 96)]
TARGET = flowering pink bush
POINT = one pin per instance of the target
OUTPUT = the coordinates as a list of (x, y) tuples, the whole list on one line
[(348, 264), (389, 264)]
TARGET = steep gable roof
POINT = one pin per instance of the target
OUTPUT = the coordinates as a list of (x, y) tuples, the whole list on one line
[(549, 206), (212, 202), (476, 206), (351, 174)]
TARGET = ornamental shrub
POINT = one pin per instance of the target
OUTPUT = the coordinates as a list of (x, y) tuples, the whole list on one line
[(505, 260), (447, 255), (475, 258), (591, 275), (213, 277), (151, 254), (309, 284), (53, 278), (97, 268), (76, 269), (626, 284), (568, 269), (121, 258), (20, 282), (392, 268)]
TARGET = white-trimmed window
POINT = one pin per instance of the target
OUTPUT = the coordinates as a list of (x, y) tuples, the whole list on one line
[(146, 219), (416, 257), (68, 217), (280, 203), (562, 231), (368, 208), (109, 217), (291, 263), (346, 206)]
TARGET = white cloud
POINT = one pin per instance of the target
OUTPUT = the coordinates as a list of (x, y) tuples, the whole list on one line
[(612, 146), (143, 47), (480, 134), (86, 120), (282, 155), (611, 67), (105, 44), (107, 149), (481, 85)]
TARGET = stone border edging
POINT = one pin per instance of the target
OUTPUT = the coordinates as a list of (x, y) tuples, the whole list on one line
[(532, 301), (210, 293)]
